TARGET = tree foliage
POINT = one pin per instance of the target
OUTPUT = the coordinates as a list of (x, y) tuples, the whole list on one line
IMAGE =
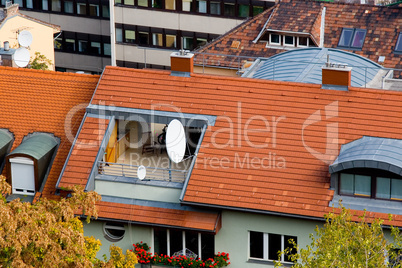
[(48, 234), (343, 242), (39, 62)]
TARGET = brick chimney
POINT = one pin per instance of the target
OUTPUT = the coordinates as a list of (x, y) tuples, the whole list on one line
[(181, 63), (336, 76)]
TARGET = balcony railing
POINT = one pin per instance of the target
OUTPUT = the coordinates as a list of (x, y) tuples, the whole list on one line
[(153, 173)]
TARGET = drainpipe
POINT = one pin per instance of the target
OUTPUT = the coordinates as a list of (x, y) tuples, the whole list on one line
[(112, 34)]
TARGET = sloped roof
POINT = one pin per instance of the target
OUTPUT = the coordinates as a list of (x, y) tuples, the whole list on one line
[(36, 146), (282, 170), (383, 24), (44, 101)]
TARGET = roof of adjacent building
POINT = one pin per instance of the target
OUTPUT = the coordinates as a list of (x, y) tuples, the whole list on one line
[(383, 25), (305, 65), (270, 148), (44, 101)]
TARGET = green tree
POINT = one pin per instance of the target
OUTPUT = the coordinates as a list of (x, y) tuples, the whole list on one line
[(39, 62), (48, 234), (343, 242)]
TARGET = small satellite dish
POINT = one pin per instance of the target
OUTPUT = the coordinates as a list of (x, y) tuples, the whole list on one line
[(141, 172), (175, 141), (25, 38), (21, 57)]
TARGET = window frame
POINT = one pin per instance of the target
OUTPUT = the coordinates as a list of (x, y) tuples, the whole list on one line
[(352, 38), (183, 237), (374, 175), (275, 43), (113, 226), (298, 41), (266, 247), (289, 45)]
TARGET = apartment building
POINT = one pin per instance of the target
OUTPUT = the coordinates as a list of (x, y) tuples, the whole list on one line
[(144, 32)]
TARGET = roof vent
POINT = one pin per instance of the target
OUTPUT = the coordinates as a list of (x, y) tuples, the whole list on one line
[(336, 76), (181, 63)]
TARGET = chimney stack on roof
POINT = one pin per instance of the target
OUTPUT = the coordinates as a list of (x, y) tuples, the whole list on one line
[(10, 10), (336, 76), (181, 63)]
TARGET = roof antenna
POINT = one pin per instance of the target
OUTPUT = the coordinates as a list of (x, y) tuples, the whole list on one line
[(327, 64)]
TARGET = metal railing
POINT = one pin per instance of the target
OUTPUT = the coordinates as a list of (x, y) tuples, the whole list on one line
[(153, 173)]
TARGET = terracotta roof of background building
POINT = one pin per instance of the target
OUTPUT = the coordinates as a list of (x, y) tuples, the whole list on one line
[(304, 129), (44, 101), (383, 24)]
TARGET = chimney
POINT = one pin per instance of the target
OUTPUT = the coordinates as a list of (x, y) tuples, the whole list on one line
[(336, 76), (11, 9), (181, 63), (6, 46)]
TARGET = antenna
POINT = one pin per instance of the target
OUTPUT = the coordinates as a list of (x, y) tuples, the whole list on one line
[(175, 141), (25, 38), (21, 57)]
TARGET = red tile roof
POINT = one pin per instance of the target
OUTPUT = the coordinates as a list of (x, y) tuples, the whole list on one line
[(43, 101), (383, 24), (300, 120), (83, 156), (160, 216)]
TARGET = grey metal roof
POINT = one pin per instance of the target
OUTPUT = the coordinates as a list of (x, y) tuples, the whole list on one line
[(370, 152), (304, 65), (36, 145), (5, 138)]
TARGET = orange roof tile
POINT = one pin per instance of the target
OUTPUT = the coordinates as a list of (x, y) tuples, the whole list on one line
[(160, 216), (84, 152), (383, 25), (44, 101), (276, 170)]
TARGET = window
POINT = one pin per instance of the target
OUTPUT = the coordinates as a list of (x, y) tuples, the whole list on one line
[(45, 5), (19, 2), (22, 176), (398, 46), (119, 35), (188, 43), (68, 7), (266, 246), (170, 4), (95, 48), (187, 5), (244, 10), (382, 185), (274, 39), (302, 41), (70, 45), (29, 4), (56, 5), (81, 8), (82, 46), (141, 3), (229, 9), (105, 11), (157, 39), (170, 40), (352, 38), (143, 38), (94, 10), (215, 8), (289, 40), (107, 49), (201, 6), (114, 232), (129, 36), (170, 241)]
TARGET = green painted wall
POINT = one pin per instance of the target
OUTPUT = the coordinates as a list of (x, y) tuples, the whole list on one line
[(233, 237), (145, 192), (134, 234)]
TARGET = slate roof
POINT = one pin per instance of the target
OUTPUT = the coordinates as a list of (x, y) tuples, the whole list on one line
[(44, 101), (383, 24), (305, 128)]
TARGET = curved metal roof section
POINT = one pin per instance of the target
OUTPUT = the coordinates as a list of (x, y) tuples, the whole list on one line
[(305, 64), (36, 145), (370, 152)]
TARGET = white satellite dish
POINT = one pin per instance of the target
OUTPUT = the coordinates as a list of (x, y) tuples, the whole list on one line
[(21, 57), (175, 141), (141, 172), (25, 38)]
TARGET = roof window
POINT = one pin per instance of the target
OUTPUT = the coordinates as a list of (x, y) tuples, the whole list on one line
[(352, 38), (398, 47)]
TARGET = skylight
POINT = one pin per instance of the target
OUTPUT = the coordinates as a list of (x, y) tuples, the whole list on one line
[(398, 47), (352, 38)]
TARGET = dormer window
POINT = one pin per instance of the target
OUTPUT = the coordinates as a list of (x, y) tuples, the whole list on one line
[(275, 39), (28, 165), (383, 185), (352, 38), (286, 40), (289, 40), (302, 41), (398, 47)]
